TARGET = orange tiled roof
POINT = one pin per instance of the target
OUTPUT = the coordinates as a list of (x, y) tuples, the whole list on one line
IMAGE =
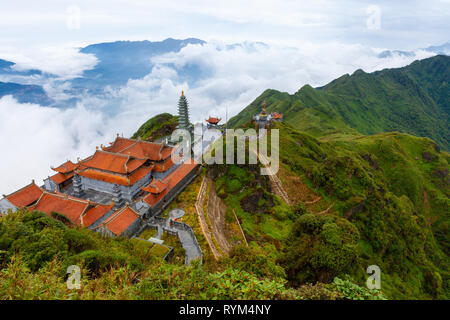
[(119, 144), (171, 180), (121, 179), (25, 196), (113, 162), (61, 177), (71, 207), (156, 186), (95, 213), (164, 166), (213, 120), (166, 152), (140, 149), (149, 150), (66, 167), (140, 173), (121, 220), (277, 115)]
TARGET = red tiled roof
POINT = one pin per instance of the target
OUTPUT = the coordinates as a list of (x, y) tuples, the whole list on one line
[(213, 120), (95, 213), (121, 220), (25, 196), (66, 167), (71, 207), (61, 177), (156, 186), (171, 180)]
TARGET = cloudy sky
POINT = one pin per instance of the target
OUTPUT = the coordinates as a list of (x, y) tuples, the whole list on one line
[(404, 24), (307, 42)]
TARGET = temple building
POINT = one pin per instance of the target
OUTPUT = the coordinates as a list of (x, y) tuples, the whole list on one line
[(123, 222), (213, 123), (21, 198), (263, 119), (277, 116), (115, 188)]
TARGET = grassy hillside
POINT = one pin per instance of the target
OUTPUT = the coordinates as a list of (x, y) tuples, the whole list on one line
[(157, 127), (413, 99)]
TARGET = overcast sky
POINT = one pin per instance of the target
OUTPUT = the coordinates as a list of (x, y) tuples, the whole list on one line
[(402, 24), (309, 42)]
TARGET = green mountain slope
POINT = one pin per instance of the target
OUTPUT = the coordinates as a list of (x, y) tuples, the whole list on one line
[(413, 99), (394, 188), (357, 201)]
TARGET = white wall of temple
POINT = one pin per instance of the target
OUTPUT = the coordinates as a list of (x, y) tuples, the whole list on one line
[(5, 206), (49, 185), (128, 192)]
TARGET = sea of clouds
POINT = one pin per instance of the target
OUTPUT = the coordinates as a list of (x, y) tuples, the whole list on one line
[(33, 137)]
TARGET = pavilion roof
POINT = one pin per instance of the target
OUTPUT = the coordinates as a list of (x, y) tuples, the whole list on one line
[(66, 167), (95, 213), (61, 177), (213, 120), (140, 149), (171, 181), (277, 115), (25, 196), (113, 162), (156, 186), (75, 209), (115, 178), (120, 220)]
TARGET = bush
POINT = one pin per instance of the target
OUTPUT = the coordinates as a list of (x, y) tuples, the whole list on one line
[(97, 261), (319, 248), (255, 260)]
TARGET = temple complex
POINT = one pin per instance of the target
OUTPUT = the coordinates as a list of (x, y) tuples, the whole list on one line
[(115, 188)]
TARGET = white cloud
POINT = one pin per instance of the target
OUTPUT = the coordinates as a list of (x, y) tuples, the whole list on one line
[(33, 138), (64, 61)]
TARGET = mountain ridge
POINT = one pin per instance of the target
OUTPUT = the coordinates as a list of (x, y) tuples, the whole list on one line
[(412, 99)]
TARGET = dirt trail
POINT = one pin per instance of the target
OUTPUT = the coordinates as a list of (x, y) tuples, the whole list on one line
[(216, 213), (275, 182), (202, 218)]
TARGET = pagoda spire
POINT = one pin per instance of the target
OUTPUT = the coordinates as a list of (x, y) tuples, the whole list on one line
[(183, 113)]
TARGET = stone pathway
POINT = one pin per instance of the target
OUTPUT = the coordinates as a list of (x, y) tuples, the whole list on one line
[(184, 233)]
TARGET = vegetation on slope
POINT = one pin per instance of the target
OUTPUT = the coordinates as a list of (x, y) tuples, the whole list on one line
[(35, 251), (394, 188), (157, 127), (383, 200), (413, 99)]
